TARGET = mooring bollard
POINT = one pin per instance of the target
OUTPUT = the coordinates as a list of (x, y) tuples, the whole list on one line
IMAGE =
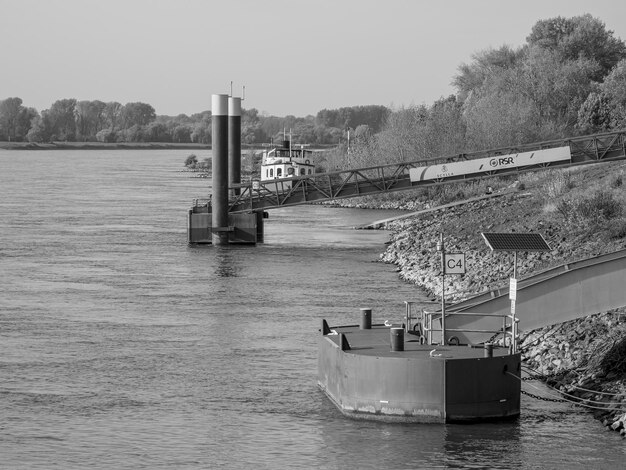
[(397, 339), (488, 350), (366, 318)]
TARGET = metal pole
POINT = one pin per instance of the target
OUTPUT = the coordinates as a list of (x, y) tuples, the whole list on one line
[(513, 322), (234, 143), (443, 288), (219, 217), (504, 328)]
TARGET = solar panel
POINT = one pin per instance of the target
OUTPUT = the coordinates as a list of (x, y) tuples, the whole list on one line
[(515, 241)]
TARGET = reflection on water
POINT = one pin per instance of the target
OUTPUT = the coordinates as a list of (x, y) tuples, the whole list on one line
[(225, 264), (489, 445)]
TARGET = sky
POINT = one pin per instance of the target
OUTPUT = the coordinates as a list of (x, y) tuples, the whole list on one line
[(293, 57)]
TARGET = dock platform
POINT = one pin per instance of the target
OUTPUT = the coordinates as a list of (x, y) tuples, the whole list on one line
[(365, 377)]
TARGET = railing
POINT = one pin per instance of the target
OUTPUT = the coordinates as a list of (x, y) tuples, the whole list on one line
[(424, 328), (258, 195)]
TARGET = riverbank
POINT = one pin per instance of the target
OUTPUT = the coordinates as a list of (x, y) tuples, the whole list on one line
[(100, 146), (58, 145), (581, 213)]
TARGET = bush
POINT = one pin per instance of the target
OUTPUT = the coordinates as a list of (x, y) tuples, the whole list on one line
[(106, 135), (565, 208), (617, 228), (191, 161), (617, 181), (441, 194), (557, 183), (601, 205)]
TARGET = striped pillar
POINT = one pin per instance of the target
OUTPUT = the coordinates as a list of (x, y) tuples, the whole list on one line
[(234, 143), (219, 217)]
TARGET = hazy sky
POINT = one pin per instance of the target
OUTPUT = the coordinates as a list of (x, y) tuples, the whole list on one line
[(294, 57)]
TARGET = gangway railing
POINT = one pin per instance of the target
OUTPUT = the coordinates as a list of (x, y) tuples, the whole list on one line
[(573, 290), (423, 326), (259, 195), (540, 276)]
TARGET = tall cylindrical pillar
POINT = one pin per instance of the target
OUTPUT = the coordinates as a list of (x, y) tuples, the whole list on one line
[(234, 143), (219, 204)]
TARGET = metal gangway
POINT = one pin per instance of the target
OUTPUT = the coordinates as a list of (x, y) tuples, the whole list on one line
[(563, 293), (257, 195)]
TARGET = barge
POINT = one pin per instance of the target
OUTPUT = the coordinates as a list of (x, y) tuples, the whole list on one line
[(397, 373)]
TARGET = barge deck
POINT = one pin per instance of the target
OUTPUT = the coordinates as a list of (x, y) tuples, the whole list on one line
[(377, 372)]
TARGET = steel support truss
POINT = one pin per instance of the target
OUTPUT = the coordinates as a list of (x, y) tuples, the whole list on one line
[(261, 195)]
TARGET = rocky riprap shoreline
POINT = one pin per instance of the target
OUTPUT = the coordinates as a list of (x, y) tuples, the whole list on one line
[(585, 359)]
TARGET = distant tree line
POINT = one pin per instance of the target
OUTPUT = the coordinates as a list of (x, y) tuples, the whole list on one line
[(91, 121), (568, 79)]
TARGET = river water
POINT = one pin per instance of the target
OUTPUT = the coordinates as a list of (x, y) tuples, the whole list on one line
[(122, 347)]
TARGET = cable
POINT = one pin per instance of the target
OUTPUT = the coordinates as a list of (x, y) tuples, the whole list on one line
[(582, 403), (572, 385)]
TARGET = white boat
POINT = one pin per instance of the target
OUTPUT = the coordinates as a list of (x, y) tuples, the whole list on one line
[(285, 162)]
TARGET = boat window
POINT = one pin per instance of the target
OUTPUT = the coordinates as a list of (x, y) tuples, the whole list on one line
[(310, 171), (271, 172), (302, 171), (279, 172), (290, 171)]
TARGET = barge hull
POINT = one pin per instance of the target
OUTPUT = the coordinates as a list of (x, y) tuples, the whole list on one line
[(454, 383)]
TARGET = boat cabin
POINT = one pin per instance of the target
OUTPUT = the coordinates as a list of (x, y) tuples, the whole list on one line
[(286, 162)]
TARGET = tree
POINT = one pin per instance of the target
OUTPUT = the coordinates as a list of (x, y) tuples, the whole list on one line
[(363, 133), (583, 37), (10, 110), (112, 115), (132, 134), (106, 135), (614, 87), (24, 122), (251, 130), (605, 109), (372, 115), (445, 128), (61, 119), (40, 128), (594, 114), (556, 87), (137, 114), (156, 132), (90, 119), (181, 134), (404, 135), (499, 119), (201, 129), (485, 65)]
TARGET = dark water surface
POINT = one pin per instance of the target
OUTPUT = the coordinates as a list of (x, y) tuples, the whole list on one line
[(122, 347)]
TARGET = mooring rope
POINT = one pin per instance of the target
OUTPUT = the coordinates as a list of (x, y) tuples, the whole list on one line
[(582, 402), (541, 376)]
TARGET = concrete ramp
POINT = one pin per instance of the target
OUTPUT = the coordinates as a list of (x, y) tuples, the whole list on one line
[(570, 291)]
